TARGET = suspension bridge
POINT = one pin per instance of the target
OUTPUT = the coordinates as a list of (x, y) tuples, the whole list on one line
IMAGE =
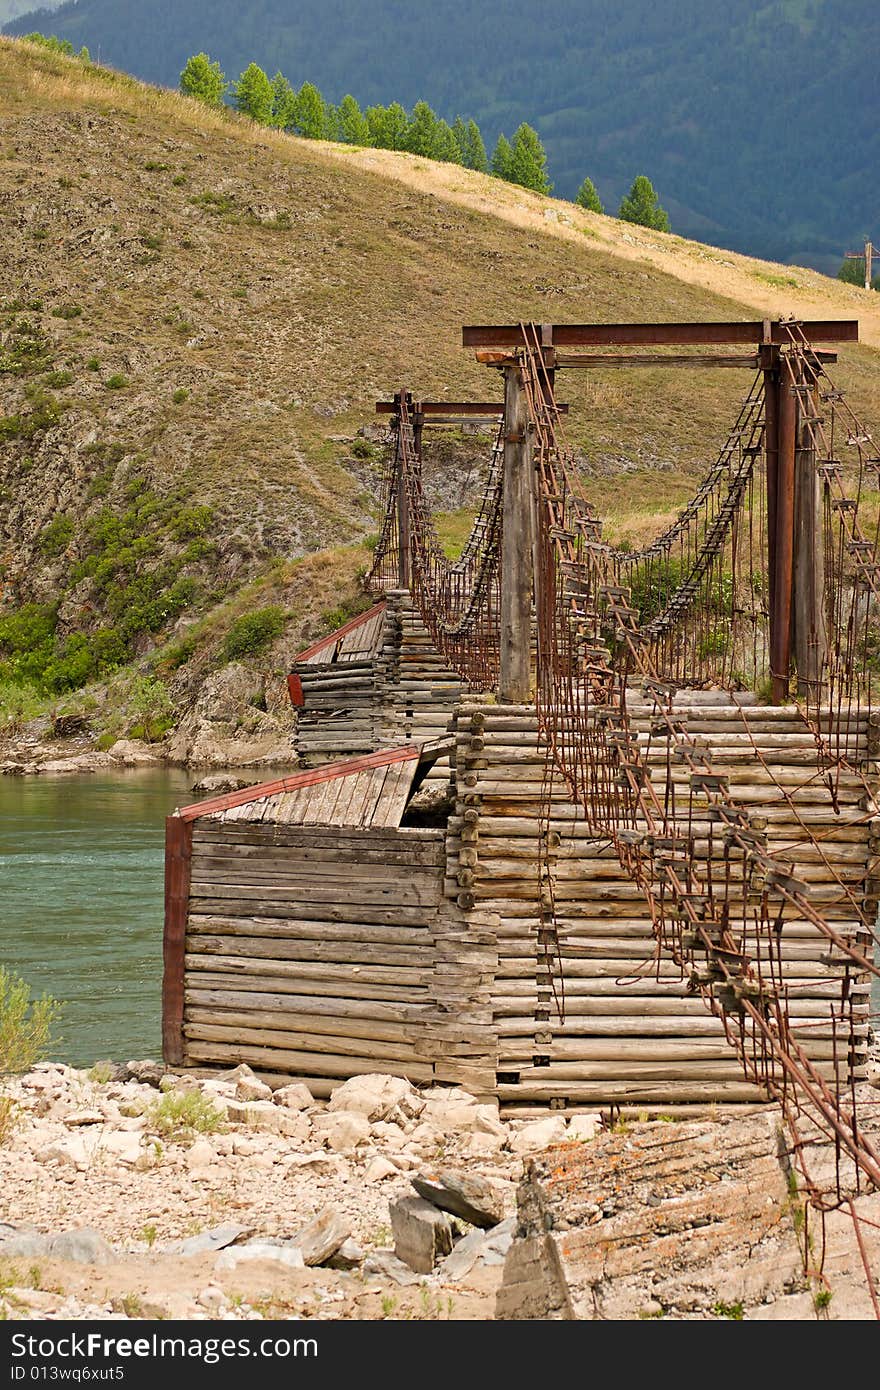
[(769, 578), (647, 881)]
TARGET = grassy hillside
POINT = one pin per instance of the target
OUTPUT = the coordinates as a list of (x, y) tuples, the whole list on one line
[(197, 316), (757, 122)]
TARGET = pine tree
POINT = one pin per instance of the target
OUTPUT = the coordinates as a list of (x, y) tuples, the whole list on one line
[(587, 197), (283, 102), (528, 163), (421, 133), (446, 146), (852, 272), (476, 156), (203, 80), (353, 128), (332, 126), (253, 94), (460, 131), (641, 206), (502, 158), (310, 113), (387, 126)]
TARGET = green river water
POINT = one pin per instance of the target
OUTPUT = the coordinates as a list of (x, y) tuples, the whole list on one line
[(81, 896)]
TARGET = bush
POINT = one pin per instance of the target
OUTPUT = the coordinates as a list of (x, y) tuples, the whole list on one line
[(150, 705), (25, 1024), (116, 382), (253, 632), (56, 537), (179, 1115), (362, 449)]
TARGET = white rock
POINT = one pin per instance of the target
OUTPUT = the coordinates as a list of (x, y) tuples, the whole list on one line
[(342, 1130), (201, 1155), (286, 1255), (319, 1165), (374, 1095), (378, 1169), (213, 1298), (392, 1137), (123, 1145), (294, 1097), (249, 1088), (584, 1126), (539, 1135), (69, 1151)]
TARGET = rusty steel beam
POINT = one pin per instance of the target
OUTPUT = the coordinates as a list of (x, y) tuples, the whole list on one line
[(561, 335), (780, 613), (494, 409)]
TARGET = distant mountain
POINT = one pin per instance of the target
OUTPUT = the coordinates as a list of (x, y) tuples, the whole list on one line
[(11, 9), (758, 123)]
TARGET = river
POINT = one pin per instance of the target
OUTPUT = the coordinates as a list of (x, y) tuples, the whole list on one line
[(81, 888)]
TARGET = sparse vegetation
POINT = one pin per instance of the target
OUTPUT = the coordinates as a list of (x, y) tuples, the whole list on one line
[(252, 633), (26, 1024), (180, 1115)]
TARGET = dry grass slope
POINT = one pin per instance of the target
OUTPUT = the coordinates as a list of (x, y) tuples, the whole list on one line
[(242, 297)]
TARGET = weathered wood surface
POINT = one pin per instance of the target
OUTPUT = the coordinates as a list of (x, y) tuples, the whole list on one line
[(630, 1029)]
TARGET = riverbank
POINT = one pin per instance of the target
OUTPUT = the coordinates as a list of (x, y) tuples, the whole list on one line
[(134, 1194)]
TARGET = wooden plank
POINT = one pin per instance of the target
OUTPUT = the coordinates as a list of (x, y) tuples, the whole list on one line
[(178, 850), (661, 334), (301, 1063)]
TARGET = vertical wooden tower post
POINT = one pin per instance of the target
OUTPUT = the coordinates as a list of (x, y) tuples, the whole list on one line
[(514, 685)]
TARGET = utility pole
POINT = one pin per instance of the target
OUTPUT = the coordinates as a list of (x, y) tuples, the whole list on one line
[(868, 256)]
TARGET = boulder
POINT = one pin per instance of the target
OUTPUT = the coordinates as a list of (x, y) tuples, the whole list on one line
[(373, 1095), (584, 1126), (342, 1130), (84, 1246), (378, 1169), (284, 1256), (294, 1097), (206, 1241), (348, 1256), (123, 1145), (148, 1072), (479, 1201), (250, 1088), (422, 1234), (263, 1114), (318, 1165), (133, 752), (387, 1266), (322, 1237), (539, 1134), (201, 1155)]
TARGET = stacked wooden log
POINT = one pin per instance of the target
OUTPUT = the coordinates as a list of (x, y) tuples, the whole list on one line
[(631, 1032), (319, 952), (362, 700)]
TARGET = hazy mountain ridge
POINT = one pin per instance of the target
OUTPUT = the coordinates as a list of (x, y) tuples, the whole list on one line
[(759, 127)]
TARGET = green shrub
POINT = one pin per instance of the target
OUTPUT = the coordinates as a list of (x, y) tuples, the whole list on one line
[(67, 312), (116, 382), (58, 380), (192, 521), (25, 1024), (150, 704), (180, 395), (46, 412), (93, 364), (253, 632), (56, 537), (362, 449), (180, 1115)]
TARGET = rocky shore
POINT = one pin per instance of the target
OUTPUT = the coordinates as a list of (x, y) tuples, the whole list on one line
[(131, 1193), (127, 1192)]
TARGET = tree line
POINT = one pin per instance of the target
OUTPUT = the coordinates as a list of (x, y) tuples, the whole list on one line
[(274, 102)]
